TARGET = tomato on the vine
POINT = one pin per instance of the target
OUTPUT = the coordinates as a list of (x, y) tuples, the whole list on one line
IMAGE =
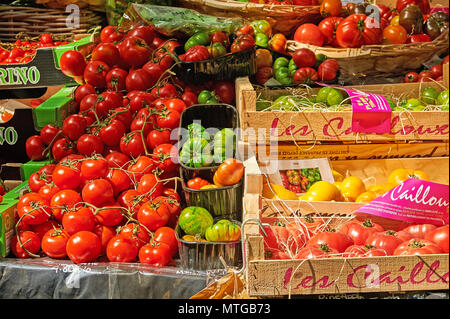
[(121, 249), (54, 243), (83, 247), (155, 254)]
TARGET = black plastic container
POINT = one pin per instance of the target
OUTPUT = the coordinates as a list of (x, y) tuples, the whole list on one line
[(218, 116), (224, 202), (230, 66), (206, 255)]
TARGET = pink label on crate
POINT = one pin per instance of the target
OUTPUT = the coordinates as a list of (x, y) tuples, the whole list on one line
[(413, 201), (371, 112)]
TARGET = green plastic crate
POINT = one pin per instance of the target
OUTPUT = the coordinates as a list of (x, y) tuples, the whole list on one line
[(14, 194), (55, 109), (30, 167)]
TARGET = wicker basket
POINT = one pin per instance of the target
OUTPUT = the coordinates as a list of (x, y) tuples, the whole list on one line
[(283, 18), (33, 22), (379, 60)]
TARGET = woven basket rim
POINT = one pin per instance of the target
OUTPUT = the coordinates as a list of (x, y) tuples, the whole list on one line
[(374, 50), (244, 6)]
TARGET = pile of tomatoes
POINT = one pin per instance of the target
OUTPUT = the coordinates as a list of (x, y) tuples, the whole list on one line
[(435, 72), (24, 51), (312, 238), (355, 25), (110, 190)]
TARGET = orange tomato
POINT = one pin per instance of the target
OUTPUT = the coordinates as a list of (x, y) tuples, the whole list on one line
[(278, 43), (331, 8), (400, 175), (5, 116), (395, 34), (229, 173)]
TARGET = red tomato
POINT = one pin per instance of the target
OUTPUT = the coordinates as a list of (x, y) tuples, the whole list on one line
[(150, 186), (112, 34), (118, 160), (83, 247), (119, 180), (109, 214), (89, 144), (143, 165), (155, 254), (315, 251), (139, 79), (132, 200), (61, 148), (333, 239), (37, 180), (174, 207), (424, 5), (135, 233), (107, 53), (111, 133), (49, 133), (349, 34), (93, 168), (395, 34), (165, 156), (34, 147), (167, 236), (42, 229), (158, 137), (445, 60), (417, 38), (189, 98), (74, 126), (360, 231), (364, 251), (81, 91), (48, 191), (440, 237), (121, 249), (388, 240), (72, 63), (417, 246), (419, 230), (328, 27), (304, 58), (28, 242), (33, 209), (66, 176), (305, 76), (436, 70), (225, 91), (46, 38), (411, 77), (309, 33), (104, 233), (95, 74), (144, 32), (132, 144), (78, 220), (153, 216), (134, 51), (63, 201), (327, 70), (116, 79), (169, 119), (97, 192), (54, 243)]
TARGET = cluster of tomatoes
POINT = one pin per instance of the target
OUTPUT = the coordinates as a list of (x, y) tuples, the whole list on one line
[(312, 238), (354, 25), (24, 51), (435, 72), (111, 189)]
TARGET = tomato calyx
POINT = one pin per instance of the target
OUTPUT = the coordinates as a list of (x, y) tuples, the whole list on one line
[(368, 223), (308, 219), (416, 244), (325, 248), (390, 232)]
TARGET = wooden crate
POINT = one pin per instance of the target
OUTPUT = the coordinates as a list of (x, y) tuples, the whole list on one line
[(345, 151), (372, 172), (313, 127), (274, 278)]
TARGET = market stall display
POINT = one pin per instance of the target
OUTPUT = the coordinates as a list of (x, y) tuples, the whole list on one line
[(285, 146)]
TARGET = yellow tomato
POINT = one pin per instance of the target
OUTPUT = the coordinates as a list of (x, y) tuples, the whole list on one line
[(381, 188), (322, 191), (278, 192), (338, 177), (192, 238), (400, 175), (366, 197), (395, 20), (209, 186), (351, 188)]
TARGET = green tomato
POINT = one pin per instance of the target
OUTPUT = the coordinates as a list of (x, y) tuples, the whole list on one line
[(217, 50), (442, 98), (196, 145), (282, 76), (262, 105), (261, 40), (195, 220), (204, 96), (280, 62), (429, 95), (391, 104), (225, 231), (199, 38), (196, 130), (412, 103), (261, 26), (292, 67), (286, 103), (329, 96)]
